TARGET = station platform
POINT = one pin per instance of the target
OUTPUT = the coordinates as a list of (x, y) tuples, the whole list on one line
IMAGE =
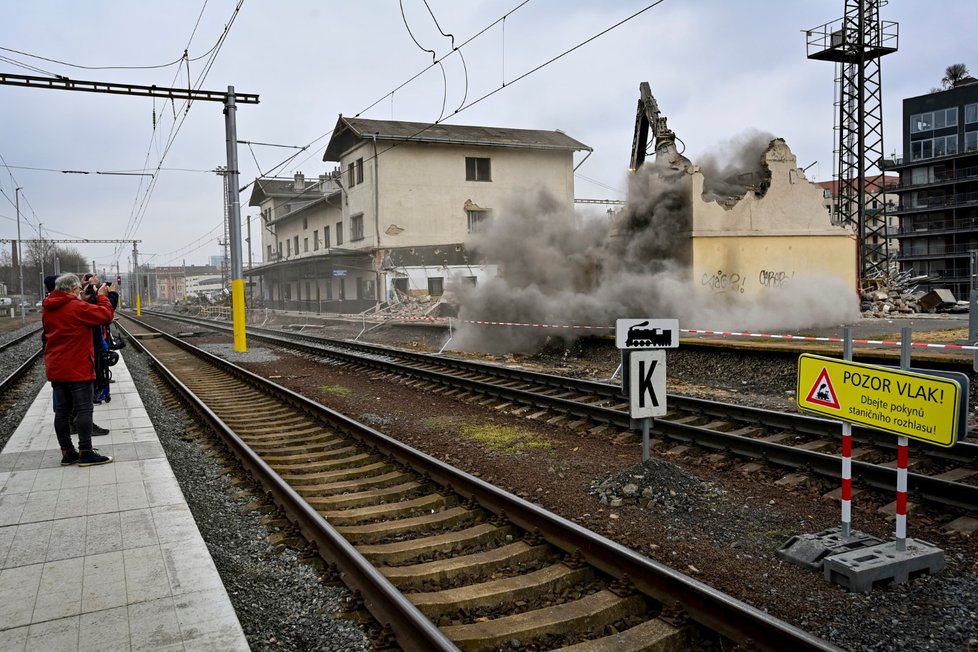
[(104, 557)]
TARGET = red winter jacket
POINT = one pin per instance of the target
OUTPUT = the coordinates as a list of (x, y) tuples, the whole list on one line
[(69, 355)]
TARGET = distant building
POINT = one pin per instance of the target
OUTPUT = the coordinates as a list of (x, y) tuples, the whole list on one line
[(177, 282), (392, 220), (874, 212), (938, 189)]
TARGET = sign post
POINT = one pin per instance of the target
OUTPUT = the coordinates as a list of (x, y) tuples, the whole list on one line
[(909, 403), (644, 377), (847, 448)]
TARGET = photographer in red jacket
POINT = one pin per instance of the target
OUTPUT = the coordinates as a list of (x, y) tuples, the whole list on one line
[(69, 359)]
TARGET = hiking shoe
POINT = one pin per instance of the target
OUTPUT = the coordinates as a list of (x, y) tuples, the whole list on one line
[(99, 430), (69, 458), (92, 458)]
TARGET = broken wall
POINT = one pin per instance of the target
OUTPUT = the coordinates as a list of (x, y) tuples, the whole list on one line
[(775, 236)]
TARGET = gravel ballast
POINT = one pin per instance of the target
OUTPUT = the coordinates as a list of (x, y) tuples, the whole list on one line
[(708, 519)]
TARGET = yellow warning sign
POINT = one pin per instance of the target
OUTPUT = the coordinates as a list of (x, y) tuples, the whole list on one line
[(907, 403)]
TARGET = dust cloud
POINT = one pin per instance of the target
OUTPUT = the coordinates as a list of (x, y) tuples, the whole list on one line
[(734, 169), (555, 268)]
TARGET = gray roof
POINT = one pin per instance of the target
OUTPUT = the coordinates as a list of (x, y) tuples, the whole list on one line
[(349, 131), (265, 187)]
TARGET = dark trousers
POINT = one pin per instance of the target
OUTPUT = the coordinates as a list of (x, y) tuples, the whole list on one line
[(73, 398)]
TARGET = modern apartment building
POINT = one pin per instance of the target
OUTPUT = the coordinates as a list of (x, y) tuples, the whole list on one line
[(938, 211)]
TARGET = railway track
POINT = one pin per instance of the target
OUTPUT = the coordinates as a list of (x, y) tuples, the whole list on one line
[(442, 559), (11, 369), (803, 443)]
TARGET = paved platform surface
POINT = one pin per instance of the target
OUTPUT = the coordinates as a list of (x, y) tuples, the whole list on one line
[(104, 557)]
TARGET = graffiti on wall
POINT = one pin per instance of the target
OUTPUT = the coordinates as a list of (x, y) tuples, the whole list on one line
[(724, 282), (774, 280)]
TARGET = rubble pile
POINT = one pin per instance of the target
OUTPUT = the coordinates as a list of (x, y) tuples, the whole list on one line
[(415, 308), (898, 294)]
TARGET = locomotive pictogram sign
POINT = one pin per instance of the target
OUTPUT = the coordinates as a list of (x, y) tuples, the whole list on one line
[(637, 334)]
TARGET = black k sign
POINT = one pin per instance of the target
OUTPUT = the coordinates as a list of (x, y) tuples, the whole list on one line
[(647, 376)]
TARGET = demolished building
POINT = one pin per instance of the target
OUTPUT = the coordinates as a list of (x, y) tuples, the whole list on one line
[(744, 237)]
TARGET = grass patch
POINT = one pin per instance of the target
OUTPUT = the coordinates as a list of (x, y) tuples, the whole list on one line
[(339, 390), (502, 439)]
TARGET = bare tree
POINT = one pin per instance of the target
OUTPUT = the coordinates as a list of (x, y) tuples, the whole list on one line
[(954, 75)]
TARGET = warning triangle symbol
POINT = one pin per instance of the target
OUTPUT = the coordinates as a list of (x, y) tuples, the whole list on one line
[(822, 392)]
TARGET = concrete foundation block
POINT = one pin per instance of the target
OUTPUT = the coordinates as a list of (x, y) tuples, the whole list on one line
[(859, 570), (810, 550)]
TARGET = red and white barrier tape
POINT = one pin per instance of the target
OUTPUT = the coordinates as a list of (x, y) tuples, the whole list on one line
[(833, 339), (774, 336)]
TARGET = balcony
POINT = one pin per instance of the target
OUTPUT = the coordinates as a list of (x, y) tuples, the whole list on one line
[(937, 203), (966, 174), (939, 250), (934, 227)]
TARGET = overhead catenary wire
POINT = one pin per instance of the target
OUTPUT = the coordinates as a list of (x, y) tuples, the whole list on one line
[(139, 212)]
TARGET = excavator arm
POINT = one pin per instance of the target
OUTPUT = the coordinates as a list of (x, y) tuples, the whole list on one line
[(649, 119)]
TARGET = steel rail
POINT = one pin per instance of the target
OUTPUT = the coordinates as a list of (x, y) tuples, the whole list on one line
[(7, 383), (713, 609), (388, 605), (17, 340), (942, 491)]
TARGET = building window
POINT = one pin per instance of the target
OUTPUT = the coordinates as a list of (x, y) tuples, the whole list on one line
[(946, 118), (296, 246), (351, 179), (469, 280), (356, 227), (946, 146), (305, 244), (436, 286), (269, 252), (477, 220), (339, 233), (326, 237), (477, 169), (970, 114), (359, 170), (921, 122), (971, 141), (288, 248), (315, 240), (279, 251), (934, 120), (305, 223)]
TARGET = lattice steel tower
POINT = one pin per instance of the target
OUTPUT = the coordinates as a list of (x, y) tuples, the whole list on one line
[(856, 42)]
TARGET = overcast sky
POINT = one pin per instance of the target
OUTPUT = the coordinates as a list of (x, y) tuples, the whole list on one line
[(718, 68)]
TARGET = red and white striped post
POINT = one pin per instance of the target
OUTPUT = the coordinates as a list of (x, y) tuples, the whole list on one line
[(847, 449), (903, 456)]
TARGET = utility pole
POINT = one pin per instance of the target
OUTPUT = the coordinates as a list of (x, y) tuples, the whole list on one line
[(234, 224), (135, 275), (230, 100), (20, 257), (40, 235)]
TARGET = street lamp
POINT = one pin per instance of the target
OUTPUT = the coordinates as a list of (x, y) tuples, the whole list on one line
[(20, 256)]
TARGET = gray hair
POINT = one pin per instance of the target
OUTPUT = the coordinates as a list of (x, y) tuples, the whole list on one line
[(66, 282)]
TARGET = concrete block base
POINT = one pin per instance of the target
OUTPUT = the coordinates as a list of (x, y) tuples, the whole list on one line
[(858, 570), (809, 550)]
